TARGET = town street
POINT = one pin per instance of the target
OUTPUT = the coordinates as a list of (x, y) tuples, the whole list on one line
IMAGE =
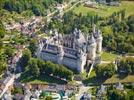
[(9, 83)]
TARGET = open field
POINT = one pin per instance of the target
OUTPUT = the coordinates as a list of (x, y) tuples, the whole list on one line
[(104, 11), (107, 56), (121, 78), (93, 80)]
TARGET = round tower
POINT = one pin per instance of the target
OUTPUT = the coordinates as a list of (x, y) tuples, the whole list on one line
[(40, 47), (99, 41), (94, 28), (91, 48), (81, 60), (60, 54)]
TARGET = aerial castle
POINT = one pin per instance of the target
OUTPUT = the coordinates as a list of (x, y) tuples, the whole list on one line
[(73, 50)]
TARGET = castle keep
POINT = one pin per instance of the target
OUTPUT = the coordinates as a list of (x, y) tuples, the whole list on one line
[(73, 50)]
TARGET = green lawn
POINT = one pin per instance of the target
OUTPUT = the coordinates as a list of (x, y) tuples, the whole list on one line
[(92, 74), (43, 79), (104, 10), (107, 56), (93, 80), (121, 78), (73, 98)]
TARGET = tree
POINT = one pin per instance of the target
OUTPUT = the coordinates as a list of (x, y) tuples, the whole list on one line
[(48, 98), (57, 70), (129, 95), (1, 4), (36, 6), (129, 70), (36, 9), (106, 71), (17, 90), (99, 70), (109, 70), (33, 46), (1, 44), (50, 68), (2, 30), (25, 58), (68, 74), (3, 66), (126, 64), (123, 14), (117, 95), (9, 51), (2, 33), (41, 65), (33, 67), (27, 13), (130, 23)]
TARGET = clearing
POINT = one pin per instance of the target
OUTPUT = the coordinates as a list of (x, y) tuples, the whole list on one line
[(104, 11)]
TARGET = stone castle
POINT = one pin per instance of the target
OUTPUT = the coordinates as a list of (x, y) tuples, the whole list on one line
[(73, 50)]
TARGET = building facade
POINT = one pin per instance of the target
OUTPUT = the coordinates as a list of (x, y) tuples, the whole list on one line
[(73, 50)]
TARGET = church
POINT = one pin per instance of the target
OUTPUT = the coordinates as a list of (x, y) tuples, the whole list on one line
[(73, 50)]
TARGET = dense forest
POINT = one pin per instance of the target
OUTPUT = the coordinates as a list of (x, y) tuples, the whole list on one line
[(118, 33), (117, 29), (71, 21), (38, 7)]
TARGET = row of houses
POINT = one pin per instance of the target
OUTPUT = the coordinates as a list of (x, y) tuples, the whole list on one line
[(33, 91)]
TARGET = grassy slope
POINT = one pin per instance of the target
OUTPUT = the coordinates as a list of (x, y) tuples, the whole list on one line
[(106, 10), (121, 78), (93, 80), (106, 56)]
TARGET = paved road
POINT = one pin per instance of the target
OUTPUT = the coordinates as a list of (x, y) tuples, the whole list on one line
[(74, 5), (9, 83), (51, 14), (81, 91), (91, 68)]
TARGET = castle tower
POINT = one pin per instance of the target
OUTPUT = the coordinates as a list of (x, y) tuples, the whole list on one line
[(94, 28), (60, 54), (81, 61), (91, 48), (41, 44), (56, 42), (99, 39)]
